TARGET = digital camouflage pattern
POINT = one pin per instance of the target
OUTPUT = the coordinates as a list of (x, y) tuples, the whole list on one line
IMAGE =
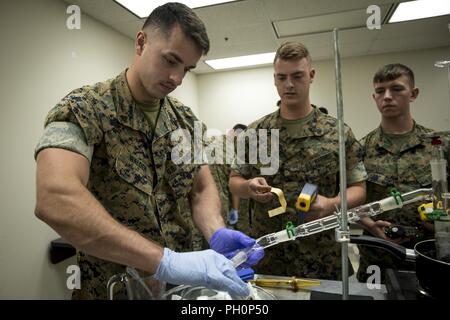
[(131, 172), (70, 137), (310, 156), (406, 168), (245, 223), (221, 175)]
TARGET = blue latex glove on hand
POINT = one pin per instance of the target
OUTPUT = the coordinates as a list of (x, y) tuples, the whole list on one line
[(246, 274), (201, 268), (228, 242), (233, 216)]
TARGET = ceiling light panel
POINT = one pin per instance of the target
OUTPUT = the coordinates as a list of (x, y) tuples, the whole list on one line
[(241, 61), (420, 9), (142, 9)]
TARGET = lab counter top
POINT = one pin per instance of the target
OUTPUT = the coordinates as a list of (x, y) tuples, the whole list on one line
[(327, 290)]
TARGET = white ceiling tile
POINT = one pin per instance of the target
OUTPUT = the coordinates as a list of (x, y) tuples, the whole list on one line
[(326, 22), (247, 25)]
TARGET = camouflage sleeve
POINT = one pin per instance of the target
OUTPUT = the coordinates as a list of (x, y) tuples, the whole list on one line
[(446, 144), (241, 162), (244, 169), (194, 123), (78, 108), (64, 135), (239, 165), (356, 172), (214, 150)]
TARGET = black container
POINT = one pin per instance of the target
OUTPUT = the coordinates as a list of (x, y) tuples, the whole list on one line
[(432, 274)]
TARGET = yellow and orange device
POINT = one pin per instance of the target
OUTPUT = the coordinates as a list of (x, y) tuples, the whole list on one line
[(306, 197)]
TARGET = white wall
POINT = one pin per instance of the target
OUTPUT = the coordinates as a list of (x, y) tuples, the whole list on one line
[(41, 61), (227, 98)]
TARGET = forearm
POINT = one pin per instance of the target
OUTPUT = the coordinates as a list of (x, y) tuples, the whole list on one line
[(205, 204), (356, 195), (239, 186), (64, 203), (366, 222), (80, 219)]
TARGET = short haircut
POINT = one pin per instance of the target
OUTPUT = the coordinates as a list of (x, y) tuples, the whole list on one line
[(164, 18), (292, 51), (239, 126), (393, 71)]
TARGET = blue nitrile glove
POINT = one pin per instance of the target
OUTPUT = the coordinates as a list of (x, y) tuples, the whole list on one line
[(246, 274), (228, 242), (201, 268), (233, 216)]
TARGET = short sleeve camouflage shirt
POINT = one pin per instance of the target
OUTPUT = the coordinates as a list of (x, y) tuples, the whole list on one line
[(404, 167), (310, 156), (131, 172)]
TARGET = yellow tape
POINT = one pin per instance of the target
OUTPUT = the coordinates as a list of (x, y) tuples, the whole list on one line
[(282, 199)]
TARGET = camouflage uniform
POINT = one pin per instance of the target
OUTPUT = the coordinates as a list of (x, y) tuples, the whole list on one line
[(221, 175), (310, 156), (406, 168), (244, 223), (131, 172)]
